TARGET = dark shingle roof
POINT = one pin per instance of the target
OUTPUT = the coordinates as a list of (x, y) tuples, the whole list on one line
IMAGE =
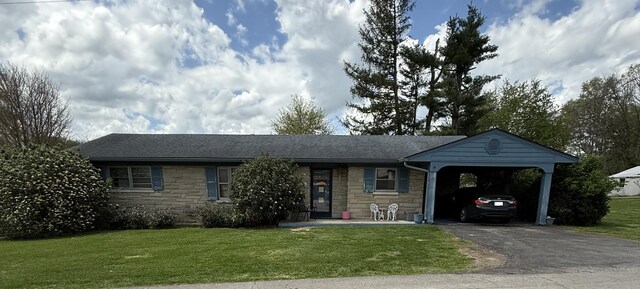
[(229, 148)]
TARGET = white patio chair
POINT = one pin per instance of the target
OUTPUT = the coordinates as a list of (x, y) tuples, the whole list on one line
[(375, 212), (391, 212)]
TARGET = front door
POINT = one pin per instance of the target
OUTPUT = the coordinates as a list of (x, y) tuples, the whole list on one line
[(321, 193)]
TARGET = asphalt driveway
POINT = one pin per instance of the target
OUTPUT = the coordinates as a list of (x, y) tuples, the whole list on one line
[(548, 249)]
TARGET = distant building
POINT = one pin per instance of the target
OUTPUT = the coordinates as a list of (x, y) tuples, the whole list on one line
[(629, 181)]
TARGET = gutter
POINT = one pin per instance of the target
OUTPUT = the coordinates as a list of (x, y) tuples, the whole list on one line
[(414, 168)]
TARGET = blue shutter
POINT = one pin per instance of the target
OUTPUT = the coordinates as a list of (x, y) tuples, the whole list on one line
[(212, 183), (403, 180), (369, 179), (156, 179)]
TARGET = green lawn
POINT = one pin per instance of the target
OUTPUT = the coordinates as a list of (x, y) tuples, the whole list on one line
[(195, 255), (622, 221)]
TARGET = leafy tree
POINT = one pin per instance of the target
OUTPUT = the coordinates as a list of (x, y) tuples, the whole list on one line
[(465, 48), (46, 191), (381, 109), (527, 109), (301, 117), (605, 119), (31, 109), (589, 115), (265, 190)]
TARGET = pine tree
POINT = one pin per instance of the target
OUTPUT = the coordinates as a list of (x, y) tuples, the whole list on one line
[(381, 109), (421, 71), (465, 48)]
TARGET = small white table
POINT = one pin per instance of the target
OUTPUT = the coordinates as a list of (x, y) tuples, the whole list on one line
[(381, 214)]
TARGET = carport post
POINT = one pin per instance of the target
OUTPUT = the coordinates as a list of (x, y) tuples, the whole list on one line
[(430, 196), (543, 201)]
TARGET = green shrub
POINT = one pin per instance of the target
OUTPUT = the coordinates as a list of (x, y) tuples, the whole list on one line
[(137, 218), (163, 219), (214, 215), (265, 190), (48, 192), (115, 218), (579, 193), (141, 217)]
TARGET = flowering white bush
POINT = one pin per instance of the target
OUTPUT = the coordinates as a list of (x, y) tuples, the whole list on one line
[(218, 215), (140, 217), (47, 192), (265, 190)]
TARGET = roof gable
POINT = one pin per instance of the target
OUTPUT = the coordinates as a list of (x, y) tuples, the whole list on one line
[(493, 146)]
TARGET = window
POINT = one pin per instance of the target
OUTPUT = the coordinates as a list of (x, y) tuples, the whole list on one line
[(622, 181), (225, 175), (385, 179), (130, 177)]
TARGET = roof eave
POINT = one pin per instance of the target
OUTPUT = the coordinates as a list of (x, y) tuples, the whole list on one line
[(239, 160)]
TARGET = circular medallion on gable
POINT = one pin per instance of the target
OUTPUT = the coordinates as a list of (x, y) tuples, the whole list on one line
[(493, 146)]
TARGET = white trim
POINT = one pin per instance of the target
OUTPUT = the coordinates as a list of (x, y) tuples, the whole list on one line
[(134, 190), (385, 193)]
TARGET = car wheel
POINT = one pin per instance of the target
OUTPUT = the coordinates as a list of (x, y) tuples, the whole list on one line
[(464, 217)]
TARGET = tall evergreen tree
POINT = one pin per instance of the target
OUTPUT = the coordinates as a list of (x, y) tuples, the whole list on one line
[(421, 71), (465, 48), (414, 81), (381, 108)]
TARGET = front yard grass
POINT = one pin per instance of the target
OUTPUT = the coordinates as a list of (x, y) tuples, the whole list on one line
[(196, 255), (623, 219)]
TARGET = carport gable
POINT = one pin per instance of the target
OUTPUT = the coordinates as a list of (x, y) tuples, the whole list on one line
[(494, 148)]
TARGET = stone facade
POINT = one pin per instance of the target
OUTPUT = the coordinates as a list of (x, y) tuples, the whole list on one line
[(340, 191), (185, 188), (358, 201)]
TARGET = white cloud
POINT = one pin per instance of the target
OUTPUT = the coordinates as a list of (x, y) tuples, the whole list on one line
[(231, 19), (240, 5), (241, 34), (160, 66), (322, 34), (598, 38), (124, 66)]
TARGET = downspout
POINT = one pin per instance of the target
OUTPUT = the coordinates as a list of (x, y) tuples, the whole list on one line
[(424, 200)]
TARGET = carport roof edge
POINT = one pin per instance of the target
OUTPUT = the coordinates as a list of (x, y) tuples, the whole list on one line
[(485, 138)]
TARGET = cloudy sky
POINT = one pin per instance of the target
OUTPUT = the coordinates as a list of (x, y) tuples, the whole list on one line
[(227, 66)]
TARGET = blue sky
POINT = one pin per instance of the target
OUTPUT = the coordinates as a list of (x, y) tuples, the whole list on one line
[(259, 17), (228, 66)]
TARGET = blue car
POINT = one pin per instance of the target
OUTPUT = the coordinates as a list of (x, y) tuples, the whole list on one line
[(475, 204)]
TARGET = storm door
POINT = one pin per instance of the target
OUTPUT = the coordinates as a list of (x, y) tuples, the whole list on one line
[(321, 193)]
